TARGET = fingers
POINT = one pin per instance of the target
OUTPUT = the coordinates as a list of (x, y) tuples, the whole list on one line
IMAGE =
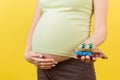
[(103, 56), (43, 60), (43, 67), (44, 63), (83, 58), (93, 59), (86, 58), (39, 60), (36, 54)]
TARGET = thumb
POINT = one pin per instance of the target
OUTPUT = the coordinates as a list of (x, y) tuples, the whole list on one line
[(39, 55), (103, 56)]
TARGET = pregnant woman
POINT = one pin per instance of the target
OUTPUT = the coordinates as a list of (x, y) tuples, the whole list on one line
[(57, 30)]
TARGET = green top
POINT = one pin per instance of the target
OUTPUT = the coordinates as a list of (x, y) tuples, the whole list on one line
[(63, 25)]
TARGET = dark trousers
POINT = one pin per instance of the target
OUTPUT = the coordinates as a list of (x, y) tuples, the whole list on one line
[(71, 69)]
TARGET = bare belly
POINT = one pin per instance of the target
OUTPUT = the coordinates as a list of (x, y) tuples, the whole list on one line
[(55, 57)]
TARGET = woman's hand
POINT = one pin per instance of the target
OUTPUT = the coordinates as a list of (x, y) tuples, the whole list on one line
[(91, 58), (85, 58), (38, 60)]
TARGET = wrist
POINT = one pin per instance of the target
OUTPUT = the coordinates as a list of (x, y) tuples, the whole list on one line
[(28, 50)]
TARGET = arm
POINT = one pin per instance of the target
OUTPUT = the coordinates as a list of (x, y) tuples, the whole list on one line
[(100, 23), (33, 57), (99, 27), (37, 15)]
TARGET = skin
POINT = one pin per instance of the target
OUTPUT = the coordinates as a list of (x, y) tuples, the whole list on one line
[(97, 38), (39, 61), (100, 26)]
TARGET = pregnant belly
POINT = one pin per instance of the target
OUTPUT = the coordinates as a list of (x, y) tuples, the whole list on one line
[(59, 34), (55, 57)]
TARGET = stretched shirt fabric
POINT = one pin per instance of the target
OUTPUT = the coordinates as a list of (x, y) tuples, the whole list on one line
[(64, 24)]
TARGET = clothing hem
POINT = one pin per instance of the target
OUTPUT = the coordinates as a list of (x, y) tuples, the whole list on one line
[(53, 52)]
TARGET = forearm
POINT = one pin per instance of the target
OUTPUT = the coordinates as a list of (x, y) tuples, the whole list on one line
[(100, 23), (98, 36), (29, 39)]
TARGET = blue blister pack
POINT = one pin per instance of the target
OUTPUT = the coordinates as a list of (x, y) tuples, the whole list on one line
[(82, 53)]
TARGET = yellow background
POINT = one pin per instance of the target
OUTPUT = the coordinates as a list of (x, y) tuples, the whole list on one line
[(15, 20)]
